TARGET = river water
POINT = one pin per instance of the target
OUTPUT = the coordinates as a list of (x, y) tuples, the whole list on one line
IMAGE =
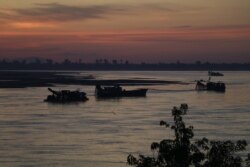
[(103, 132)]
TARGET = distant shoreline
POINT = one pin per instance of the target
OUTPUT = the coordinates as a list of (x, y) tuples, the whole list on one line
[(24, 79), (68, 65), (77, 70)]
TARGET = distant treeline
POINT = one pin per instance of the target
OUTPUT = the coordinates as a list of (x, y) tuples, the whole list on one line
[(104, 64)]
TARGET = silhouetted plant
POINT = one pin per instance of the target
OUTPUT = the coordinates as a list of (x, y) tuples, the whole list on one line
[(248, 160), (182, 152)]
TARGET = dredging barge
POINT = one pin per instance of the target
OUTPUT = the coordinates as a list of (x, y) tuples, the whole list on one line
[(66, 96)]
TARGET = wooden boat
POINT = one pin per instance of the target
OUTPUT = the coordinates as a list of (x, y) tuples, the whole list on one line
[(117, 91), (210, 86), (66, 96), (212, 73)]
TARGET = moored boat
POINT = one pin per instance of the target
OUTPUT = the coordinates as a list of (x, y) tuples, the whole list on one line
[(66, 96), (216, 74), (117, 91), (210, 86)]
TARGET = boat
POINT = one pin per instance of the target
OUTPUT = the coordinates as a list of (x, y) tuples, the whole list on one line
[(216, 74), (117, 91), (66, 96), (210, 86)]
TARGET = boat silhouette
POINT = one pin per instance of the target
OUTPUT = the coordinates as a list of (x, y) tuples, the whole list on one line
[(216, 74), (210, 86), (66, 96), (117, 91)]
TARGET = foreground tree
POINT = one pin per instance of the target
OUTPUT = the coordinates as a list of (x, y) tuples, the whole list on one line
[(182, 152)]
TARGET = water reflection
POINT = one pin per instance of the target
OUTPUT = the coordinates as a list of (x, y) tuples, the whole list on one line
[(104, 132)]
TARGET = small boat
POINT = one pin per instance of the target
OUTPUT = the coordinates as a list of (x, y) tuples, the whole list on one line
[(66, 96), (210, 86), (216, 74), (117, 91)]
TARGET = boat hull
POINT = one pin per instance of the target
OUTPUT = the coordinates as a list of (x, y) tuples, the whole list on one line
[(218, 87), (123, 93)]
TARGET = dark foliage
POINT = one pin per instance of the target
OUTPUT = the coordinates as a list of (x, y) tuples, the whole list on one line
[(182, 152)]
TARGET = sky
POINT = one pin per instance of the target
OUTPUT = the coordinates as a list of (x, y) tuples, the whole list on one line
[(138, 31)]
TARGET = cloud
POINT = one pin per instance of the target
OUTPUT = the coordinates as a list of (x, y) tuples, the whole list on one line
[(55, 12)]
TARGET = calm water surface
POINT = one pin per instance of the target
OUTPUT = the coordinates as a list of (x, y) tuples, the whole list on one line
[(104, 132)]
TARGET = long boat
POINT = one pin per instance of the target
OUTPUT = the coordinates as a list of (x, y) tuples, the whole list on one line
[(117, 91), (66, 96)]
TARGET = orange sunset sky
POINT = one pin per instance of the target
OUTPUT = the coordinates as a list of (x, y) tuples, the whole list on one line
[(143, 30)]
